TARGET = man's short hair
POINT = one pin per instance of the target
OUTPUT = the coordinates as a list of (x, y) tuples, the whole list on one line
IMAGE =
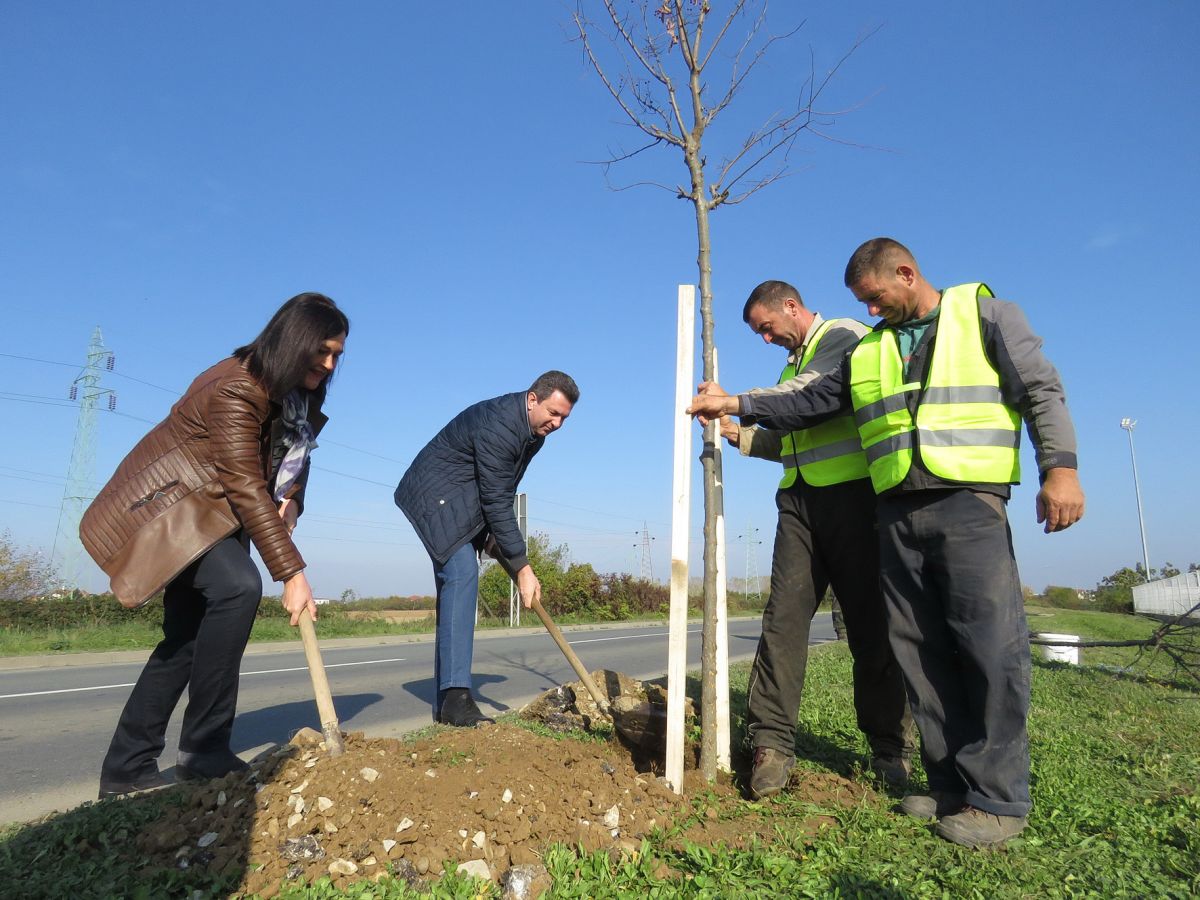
[(770, 294), (875, 257), (549, 382)]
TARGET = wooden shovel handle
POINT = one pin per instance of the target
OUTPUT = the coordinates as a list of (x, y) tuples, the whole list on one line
[(600, 699), (316, 669)]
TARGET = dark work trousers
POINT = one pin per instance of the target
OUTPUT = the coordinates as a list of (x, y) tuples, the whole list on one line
[(826, 535), (208, 610), (457, 582), (957, 622)]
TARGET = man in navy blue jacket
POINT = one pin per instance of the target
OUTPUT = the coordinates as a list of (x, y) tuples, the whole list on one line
[(458, 494)]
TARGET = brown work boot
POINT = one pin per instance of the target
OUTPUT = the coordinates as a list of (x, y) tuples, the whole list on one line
[(771, 770), (894, 771), (977, 829), (933, 805)]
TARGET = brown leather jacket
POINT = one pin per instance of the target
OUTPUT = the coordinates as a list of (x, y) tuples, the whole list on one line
[(199, 476)]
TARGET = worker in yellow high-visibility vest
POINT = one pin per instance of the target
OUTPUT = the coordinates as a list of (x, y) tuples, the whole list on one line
[(824, 536), (938, 391)]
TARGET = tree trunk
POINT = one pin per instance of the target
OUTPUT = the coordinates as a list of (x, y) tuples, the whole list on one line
[(711, 463)]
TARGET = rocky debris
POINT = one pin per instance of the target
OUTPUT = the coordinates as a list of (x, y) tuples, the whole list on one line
[(301, 848), (639, 713), (526, 882), (500, 796), (476, 868)]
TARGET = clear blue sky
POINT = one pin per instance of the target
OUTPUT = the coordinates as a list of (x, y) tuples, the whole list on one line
[(172, 172)]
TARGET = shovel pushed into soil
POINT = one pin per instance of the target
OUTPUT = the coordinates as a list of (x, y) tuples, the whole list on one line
[(572, 658), (316, 669), (639, 724)]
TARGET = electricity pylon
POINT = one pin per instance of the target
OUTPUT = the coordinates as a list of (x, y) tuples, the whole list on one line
[(753, 584), (67, 554)]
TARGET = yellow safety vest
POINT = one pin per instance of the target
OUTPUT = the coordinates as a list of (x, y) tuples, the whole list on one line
[(829, 453), (964, 429)]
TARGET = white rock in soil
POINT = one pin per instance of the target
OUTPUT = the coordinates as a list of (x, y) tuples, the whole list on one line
[(388, 844), (342, 867), (405, 824), (612, 817), (370, 861), (369, 775), (294, 819), (324, 804), (479, 839), (431, 773), (476, 868), (506, 796), (330, 828), (207, 839), (221, 798), (301, 786), (462, 832)]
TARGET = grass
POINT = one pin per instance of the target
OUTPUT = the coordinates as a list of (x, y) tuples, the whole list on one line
[(145, 635), (1116, 764)]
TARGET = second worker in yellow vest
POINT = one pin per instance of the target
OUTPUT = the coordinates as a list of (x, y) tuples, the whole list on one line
[(824, 537)]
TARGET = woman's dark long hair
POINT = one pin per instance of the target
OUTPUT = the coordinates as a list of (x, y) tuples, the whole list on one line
[(283, 352)]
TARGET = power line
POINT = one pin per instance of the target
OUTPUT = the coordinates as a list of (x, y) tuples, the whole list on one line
[(23, 503), (52, 362)]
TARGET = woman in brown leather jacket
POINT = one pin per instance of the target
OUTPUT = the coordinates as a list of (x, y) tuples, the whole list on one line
[(226, 468)]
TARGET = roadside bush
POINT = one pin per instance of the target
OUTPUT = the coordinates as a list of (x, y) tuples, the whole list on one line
[(1060, 598), (23, 573), (75, 610)]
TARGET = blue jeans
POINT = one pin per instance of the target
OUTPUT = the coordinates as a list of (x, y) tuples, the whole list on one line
[(457, 582), (957, 624)]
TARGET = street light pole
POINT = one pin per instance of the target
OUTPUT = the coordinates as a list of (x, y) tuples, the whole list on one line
[(1128, 424)]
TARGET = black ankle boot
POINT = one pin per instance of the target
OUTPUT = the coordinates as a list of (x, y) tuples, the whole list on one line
[(203, 766), (119, 787), (458, 708)]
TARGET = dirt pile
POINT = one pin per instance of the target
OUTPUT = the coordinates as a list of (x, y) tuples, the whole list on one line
[(493, 798)]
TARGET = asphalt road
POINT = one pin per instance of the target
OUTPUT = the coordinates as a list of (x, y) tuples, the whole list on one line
[(57, 713)]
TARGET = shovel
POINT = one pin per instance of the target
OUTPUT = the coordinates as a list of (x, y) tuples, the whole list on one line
[(638, 723), (572, 658), (316, 669)]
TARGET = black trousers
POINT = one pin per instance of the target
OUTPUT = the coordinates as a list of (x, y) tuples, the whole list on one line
[(208, 610), (826, 536), (957, 621)]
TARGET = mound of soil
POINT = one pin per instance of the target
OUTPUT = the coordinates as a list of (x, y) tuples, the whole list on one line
[(497, 795)]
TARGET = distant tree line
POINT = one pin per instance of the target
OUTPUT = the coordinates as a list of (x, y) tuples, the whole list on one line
[(1113, 593)]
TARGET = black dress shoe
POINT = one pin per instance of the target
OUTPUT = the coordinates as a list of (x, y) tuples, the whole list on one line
[(147, 781), (459, 709), (204, 766)]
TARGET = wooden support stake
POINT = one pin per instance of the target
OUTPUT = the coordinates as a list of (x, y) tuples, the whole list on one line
[(681, 487), (724, 760)]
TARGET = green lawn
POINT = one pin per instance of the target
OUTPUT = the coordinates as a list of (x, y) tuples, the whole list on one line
[(1116, 765)]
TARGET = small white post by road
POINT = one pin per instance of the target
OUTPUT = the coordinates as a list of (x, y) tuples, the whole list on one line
[(724, 762), (521, 511), (681, 487)]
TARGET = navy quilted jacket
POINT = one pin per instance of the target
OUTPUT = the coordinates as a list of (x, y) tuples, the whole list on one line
[(464, 480)]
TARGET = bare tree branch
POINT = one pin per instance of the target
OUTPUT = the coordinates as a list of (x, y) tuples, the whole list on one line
[(736, 79), (733, 13), (653, 131)]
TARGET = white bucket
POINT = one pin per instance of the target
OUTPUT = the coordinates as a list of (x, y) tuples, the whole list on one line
[(1060, 654)]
